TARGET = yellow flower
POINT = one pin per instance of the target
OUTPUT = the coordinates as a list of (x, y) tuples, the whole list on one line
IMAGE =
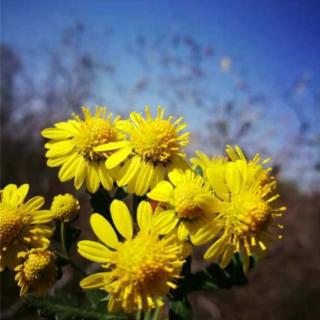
[(138, 270), (154, 147), (36, 271), (205, 162), (188, 201), (71, 146), (246, 219), (65, 207), (22, 225)]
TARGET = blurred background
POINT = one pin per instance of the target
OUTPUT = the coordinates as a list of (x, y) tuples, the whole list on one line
[(240, 72)]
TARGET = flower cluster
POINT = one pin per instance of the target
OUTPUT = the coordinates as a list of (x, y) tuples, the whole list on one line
[(226, 202), (25, 232)]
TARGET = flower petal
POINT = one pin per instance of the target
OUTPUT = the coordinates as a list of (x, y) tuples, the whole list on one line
[(92, 179), (144, 179), (94, 281), (128, 171), (165, 221), (117, 157), (105, 177), (144, 216), (42, 216), (161, 192), (122, 218), (112, 146), (217, 248), (34, 204), (103, 230), (94, 251), (22, 193)]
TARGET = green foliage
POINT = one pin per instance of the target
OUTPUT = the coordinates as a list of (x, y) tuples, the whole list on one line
[(180, 309), (62, 307)]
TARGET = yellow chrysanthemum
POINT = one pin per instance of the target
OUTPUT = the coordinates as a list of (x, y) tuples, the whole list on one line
[(71, 146), (246, 219), (188, 202), (205, 162), (65, 207), (154, 147), (22, 225), (36, 271), (138, 270)]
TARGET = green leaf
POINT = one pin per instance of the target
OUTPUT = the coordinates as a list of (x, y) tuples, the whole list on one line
[(198, 171), (62, 307), (180, 309)]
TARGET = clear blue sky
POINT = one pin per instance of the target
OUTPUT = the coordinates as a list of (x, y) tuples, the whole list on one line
[(275, 42)]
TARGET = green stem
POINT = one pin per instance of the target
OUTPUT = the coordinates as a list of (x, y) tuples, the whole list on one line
[(138, 315), (63, 238), (156, 313)]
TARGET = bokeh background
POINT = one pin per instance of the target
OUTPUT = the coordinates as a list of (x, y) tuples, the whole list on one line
[(240, 72)]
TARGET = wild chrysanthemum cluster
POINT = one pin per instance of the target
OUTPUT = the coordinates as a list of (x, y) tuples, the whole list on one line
[(226, 202), (25, 232)]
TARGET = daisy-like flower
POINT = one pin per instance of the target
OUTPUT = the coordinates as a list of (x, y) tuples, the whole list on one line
[(71, 146), (154, 147), (187, 201), (139, 269), (246, 222), (65, 207), (36, 271), (22, 225)]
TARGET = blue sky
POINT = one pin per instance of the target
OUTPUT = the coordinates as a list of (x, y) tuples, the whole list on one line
[(275, 42)]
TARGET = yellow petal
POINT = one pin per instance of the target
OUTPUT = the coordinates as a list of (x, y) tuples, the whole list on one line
[(176, 176), (9, 194), (94, 281), (159, 171), (227, 256), (144, 215), (161, 192), (92, 180), (105, 176), (68, 169), (22, 193), (216, 179), (55, 162), (182, 232), (81, 172), (206, 233), (56, 133), (117, 157), (34, 204), (144, 179), (128, 171), (94, 251), (103, 230), (122, 218), (59, 148), (233, 177), (42, 216), (165, 221), (217, 248), (112, 146)]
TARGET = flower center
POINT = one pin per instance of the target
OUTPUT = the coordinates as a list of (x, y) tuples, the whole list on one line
[(144, 263), (247, 213), (36, 265), (93, 132), (11, 224), (65, 207), (156, 140), (185, 205)]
